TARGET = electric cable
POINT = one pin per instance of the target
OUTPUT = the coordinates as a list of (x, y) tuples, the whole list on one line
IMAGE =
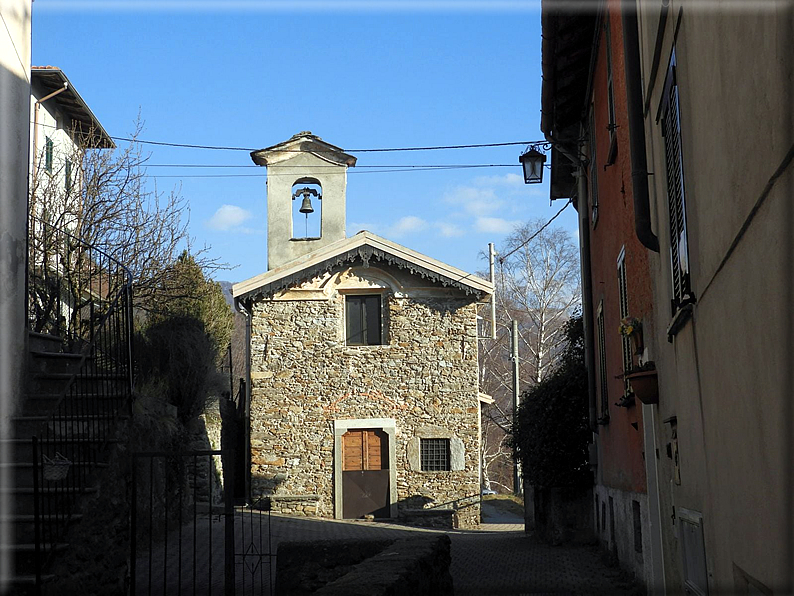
[(531, 238)]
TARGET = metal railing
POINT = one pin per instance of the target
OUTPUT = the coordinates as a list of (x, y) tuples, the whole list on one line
[(83, 295)]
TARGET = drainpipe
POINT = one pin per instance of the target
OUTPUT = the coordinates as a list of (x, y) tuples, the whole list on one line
[(548, 65), (36, 108), (587, 281), (639, 166), (241, 307), (587, 295), (32, 185)]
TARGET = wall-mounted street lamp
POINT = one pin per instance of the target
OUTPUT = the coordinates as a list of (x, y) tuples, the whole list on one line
[(532, 161)]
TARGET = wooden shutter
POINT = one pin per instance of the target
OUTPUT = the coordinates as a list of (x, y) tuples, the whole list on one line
[(364, 449)]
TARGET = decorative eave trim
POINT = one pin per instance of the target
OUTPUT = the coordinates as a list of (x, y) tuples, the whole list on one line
[(363, 248)]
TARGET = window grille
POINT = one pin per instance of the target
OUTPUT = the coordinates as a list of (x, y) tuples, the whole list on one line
[(434, 455), (602, 361), (363, 320), (676, 196)]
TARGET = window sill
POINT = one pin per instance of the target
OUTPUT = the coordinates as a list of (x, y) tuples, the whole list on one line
[(680, 319)]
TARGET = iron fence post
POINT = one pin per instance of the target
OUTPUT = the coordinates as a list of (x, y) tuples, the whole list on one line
[(227, 459)]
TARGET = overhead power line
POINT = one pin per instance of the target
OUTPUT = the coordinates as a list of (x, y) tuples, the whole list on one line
[(376, 150), (366, 150), (531, 238), (358, 166)]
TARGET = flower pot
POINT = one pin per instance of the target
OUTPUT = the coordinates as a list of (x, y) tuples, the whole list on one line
[(636, 342), (645, 385)]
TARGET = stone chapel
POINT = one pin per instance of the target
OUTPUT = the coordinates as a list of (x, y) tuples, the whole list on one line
[(364, 391)]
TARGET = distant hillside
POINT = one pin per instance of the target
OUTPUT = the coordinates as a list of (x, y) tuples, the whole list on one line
[(226, 286)]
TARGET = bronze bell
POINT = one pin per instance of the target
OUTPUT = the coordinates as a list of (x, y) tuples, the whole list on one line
[(306, 205)]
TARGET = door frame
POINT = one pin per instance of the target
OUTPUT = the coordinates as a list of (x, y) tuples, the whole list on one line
[(387, 425)]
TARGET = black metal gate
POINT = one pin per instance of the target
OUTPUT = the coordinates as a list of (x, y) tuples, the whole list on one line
[(186, 536)]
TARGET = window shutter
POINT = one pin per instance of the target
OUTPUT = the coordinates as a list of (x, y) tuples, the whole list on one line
[(602, 361), (671, 131)]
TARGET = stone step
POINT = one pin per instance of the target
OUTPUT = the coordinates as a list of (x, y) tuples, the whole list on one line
[(45, 342), (22, 447), (57, 382), (66, 427), (23, 526), (24, 555), (44, 404), (55, 362), (21, 472), (23, 496)]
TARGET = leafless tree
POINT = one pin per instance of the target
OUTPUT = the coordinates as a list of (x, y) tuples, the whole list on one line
[(537, 285), (104, 198)]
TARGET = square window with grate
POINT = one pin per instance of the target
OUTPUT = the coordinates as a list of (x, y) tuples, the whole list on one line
[(434, 455)]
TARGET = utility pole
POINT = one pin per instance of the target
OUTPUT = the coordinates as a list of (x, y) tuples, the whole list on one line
[(517, 485)]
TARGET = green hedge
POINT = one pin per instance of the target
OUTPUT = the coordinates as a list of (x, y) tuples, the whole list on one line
[(552, 434)]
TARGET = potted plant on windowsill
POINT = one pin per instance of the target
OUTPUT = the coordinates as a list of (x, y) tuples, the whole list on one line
[(631, 327), (644, 383)]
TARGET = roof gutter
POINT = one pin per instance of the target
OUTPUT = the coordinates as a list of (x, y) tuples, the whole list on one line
[(639, 165)]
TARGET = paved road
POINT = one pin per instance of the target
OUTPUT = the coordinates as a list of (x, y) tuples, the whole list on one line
[(498, 559)]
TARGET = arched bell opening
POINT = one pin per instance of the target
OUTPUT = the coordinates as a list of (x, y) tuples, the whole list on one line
[(307, 194)]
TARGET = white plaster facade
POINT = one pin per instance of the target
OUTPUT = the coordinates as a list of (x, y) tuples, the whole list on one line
[(14, 116)]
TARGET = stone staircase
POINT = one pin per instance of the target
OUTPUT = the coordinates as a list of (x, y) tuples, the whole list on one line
[(69, 411)]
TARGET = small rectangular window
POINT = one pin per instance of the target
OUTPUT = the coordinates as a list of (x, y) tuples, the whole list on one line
[(67, 170), (635, 508), (363, 320), (434, 455), (48, 154)]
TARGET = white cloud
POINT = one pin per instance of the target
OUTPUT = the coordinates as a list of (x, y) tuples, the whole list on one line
[(474, 201), (228, 217), (496, 225), (407, 225), (512, 180), (448, 230)]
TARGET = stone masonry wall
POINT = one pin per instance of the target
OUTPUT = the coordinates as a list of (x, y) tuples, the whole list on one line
[(304, 377)]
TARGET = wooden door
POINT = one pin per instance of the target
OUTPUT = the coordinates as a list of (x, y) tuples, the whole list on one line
[(365, 473)]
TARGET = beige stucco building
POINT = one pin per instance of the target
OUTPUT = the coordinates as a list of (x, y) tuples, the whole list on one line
[(719, 126), (708, 89), (363, 357)]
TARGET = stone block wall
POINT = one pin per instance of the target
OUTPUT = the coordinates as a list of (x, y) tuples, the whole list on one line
[(304, 378)]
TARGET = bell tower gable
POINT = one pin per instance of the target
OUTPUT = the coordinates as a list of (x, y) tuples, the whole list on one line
[(306, 185)]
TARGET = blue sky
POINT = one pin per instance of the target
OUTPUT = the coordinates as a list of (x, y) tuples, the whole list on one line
[(252, 74)]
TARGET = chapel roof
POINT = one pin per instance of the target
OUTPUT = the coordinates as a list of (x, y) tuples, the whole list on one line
[(364, 248)]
